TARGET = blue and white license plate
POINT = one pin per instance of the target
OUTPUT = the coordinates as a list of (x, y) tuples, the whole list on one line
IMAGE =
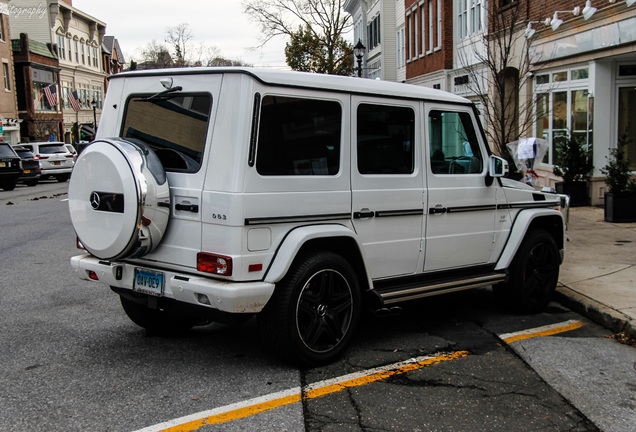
[(148, 282)]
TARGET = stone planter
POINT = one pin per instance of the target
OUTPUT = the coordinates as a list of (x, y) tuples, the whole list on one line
[(577, 192), (620, 207)]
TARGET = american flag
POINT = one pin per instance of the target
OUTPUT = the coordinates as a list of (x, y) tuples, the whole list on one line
[(74, 100), (51, 94)]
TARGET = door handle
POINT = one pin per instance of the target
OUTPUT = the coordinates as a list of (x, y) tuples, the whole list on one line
[(363, 214), (438, 209), (187, 207)]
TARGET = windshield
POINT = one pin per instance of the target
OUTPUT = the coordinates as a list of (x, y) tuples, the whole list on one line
[(175, 127), (6, 152)]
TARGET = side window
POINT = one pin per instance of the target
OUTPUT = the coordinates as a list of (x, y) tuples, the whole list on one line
[(298, 136), (385, 139), (454, 148)]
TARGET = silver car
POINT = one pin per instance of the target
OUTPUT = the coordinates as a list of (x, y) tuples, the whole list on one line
[(55, 159)]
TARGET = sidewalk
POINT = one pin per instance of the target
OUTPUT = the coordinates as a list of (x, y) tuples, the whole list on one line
[(598, 276)]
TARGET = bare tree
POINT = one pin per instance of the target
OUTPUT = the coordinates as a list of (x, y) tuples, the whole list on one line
[(155, 55), (497, 72), (179, 37), (323, 20)]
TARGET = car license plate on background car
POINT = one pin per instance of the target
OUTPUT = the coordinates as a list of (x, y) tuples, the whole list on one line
[(3, 165), (148, 282), (57, 163)]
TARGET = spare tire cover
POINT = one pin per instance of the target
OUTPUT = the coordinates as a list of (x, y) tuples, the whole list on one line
[(119, 199)]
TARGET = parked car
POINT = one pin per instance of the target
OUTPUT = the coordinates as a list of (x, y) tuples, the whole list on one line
[(55, 159), (214, 194), (31, 170), (10, 167), (72, 151)]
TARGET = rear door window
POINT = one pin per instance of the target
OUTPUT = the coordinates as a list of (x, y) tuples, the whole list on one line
[(174, 126), (298, 137), (52, 148)]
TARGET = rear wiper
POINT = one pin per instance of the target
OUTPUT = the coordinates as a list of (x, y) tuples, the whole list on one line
[(164, 95)]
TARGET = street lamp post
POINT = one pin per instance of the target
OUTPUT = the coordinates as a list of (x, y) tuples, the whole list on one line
[(358, 52), (94, 105)]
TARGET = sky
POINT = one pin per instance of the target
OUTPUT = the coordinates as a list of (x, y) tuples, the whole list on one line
[(219, 23)]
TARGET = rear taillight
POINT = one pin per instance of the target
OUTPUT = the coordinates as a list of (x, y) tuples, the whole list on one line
[(215, 264), (69, 156), (41, 157)]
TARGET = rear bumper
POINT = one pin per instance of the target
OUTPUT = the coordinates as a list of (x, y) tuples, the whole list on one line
[(54, 171), (231, 297)]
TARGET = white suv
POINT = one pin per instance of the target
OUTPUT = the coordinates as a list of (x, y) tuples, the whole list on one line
[(301, 198), (55, 159)]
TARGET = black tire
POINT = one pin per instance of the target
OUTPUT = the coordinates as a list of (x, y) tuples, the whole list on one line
[(62, 177), (9, 186), (314, 311), (157, 321), (534, 274)]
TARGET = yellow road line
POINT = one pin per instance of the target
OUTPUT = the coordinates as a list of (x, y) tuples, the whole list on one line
[(276, 400), (542, 331)]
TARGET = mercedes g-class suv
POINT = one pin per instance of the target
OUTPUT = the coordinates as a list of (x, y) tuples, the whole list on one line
[(216, 194)]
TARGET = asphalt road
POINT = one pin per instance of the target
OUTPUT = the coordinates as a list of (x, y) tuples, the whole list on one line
[(72, 361)]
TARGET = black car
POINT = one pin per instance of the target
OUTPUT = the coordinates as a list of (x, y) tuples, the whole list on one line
[(10, 167), (30, 165)]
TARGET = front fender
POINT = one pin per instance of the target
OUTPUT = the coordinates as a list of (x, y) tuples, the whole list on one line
[(294, 241), (524, 220)]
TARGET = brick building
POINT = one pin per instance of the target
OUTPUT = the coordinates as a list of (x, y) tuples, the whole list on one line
[(36, 67), (8, 103)]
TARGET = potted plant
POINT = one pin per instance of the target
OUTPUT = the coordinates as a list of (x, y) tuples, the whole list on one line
[(574, 166), (620, 200)]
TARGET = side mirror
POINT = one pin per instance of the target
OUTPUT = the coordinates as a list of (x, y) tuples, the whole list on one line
[(498, 167)]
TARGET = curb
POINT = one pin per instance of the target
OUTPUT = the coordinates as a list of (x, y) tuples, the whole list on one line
[(596, 311)]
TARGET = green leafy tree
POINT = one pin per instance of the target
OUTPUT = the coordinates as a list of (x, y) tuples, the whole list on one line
[(307, 52), (318, 44)]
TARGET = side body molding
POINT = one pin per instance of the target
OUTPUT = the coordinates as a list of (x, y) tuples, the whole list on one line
[(300, 236), (520, 227)]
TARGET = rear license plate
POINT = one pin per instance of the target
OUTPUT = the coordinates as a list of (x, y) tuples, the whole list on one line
[(57, 163), (3, 165), (26, 171), (148, 282)]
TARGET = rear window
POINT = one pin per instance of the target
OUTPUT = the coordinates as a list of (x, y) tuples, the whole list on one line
[(175, 127), (298, 137), (52, 148), (6, 152), (24, 154)]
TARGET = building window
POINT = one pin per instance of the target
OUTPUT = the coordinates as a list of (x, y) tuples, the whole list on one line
[(373, 30), (424, 32), (430, 25), (415, 35), (439, 24), (2, 27), (7, 76), (76, 52), (401, 48), (95, 61), (61, 46), (88, 53), (470, 17), (66, 90), (462, 22), (83, 55), (97, 96)]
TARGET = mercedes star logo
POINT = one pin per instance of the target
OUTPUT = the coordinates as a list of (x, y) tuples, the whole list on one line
[(95, 200)]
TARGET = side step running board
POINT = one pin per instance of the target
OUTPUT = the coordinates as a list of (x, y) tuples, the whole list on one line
[(411, 291)]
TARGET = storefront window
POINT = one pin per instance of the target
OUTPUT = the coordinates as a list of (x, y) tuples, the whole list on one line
[(579, 115), (626, 124), (563, 109)]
